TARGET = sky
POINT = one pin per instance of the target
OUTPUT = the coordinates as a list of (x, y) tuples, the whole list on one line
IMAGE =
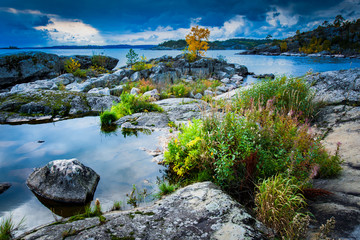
[(35, 23)]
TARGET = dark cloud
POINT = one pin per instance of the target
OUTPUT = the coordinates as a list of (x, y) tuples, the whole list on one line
[(119, 16)]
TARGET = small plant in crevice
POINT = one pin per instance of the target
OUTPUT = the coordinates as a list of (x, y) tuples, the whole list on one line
[(8, 227), (165, 188), (116, 206), (90, 212), (325, 229), (69, 232), (136, 196)]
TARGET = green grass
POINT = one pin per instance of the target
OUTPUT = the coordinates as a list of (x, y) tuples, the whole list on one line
[(130, 104), (7, 227), (280, 206), (166, 188), (116, 206), (292, 95), (107, 118)]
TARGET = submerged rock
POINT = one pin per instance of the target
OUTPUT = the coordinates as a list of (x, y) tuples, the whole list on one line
[(4, 187), (67, 181), (198, 211)]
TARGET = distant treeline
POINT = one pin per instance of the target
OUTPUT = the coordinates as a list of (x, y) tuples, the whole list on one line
[(236, 43)]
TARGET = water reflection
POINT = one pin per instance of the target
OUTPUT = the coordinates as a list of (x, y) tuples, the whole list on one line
[(119, 162)]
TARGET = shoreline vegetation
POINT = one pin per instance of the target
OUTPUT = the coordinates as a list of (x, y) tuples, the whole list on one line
[(258, 147)]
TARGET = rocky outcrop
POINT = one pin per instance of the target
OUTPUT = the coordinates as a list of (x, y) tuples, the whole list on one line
[(339, 118), (176, 110), (67, 181), (4, 187), (47, 105), (198, 211), (28, 66), (86, 62), (31, 66)]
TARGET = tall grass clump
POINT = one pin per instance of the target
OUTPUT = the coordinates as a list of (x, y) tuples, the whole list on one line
[(107, 118), (130, 104), (281, 207), (288, 94), (7, 228)]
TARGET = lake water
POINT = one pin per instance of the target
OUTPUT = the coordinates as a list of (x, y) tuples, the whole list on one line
[(118, 160), (295, 66)]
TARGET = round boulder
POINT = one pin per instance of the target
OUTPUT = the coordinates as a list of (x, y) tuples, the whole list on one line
[(67, 181)]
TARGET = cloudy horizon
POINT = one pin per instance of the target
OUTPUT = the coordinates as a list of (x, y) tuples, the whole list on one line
[(38, 23)]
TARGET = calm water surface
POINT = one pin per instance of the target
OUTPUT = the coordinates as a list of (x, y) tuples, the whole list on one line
[(118, 160)]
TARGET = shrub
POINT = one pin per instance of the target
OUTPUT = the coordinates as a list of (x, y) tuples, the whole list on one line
[(99, 61), (107, 118), (130, 104), (279, 206), (99, 69), (80, 73), (146, 85), (287, 94), (183, 154), (239, 150), (71, 65), (141, 65), (179, 90)]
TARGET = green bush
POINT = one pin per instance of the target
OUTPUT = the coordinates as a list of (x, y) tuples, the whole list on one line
[(183, 154), (288, 95), (141, 65), (179, 90), (238, 150), (130, 104), (107, 118), (80, 73), (99, 61), (71, 65)]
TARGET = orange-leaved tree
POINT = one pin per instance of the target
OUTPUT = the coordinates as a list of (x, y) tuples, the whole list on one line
[(194, 39)]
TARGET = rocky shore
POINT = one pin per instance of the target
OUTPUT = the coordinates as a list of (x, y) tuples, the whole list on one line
[(268, 50), (198, 211), (69, 96)]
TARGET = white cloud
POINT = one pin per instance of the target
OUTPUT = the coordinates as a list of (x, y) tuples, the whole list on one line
[(71, 31), (235, 27), (63, 31), (281, 17), (349, 9)]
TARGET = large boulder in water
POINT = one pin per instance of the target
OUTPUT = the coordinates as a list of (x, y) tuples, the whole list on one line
[(67, 181)]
